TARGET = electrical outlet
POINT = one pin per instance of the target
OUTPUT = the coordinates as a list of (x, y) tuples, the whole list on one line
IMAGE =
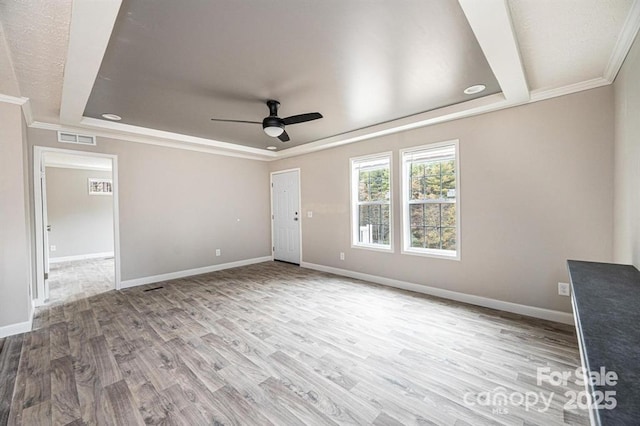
[(564, 289), (218, 252), (309, 213), (341, 255), (52, 248)]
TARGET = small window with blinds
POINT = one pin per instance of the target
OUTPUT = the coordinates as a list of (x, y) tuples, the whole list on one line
[(371, 202), (430, 200)]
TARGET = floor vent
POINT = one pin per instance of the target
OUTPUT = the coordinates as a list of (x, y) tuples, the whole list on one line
[(155, 288), (68, 137)]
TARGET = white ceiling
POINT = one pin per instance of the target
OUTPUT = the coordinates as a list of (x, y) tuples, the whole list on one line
[(8, 80), (564, 45), (568, 41), (37, 35)]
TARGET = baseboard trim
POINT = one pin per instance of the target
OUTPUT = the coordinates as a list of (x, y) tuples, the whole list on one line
[(531, 311), (191, 272), (81, 257), (17, 328)]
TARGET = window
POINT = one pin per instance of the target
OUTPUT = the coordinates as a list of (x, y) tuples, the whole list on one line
[(430, 194), (371, 202), (100, 186)]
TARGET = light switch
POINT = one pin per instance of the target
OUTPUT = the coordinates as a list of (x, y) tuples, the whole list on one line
[(309, 213)]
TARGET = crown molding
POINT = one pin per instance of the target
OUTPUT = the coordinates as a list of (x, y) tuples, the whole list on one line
[(15, 100), (453, 112), (155, 134), (150, 141), (470, 108), (27, 112), (25, 103), (542, 94), (623, 44)]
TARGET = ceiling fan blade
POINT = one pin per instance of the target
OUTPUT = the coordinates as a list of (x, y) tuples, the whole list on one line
[(235, 121), (284, 137), (301, 118)]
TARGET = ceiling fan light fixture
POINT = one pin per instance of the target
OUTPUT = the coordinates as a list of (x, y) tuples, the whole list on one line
[(472, 90), (273, 126), (273, 131)]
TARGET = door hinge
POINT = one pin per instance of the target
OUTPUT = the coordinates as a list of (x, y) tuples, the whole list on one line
[(46, 275), (272, 217), (273, 249)]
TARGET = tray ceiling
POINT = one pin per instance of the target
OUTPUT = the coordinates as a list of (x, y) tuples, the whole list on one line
[(172, 66), (167, 67)]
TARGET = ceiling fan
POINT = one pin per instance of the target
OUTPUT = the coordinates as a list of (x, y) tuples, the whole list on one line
[(274, 125)]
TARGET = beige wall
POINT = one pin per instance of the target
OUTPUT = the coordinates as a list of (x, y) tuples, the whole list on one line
[(80, 223), (177, 207), (15, 275), (627, 160), (536, 190)]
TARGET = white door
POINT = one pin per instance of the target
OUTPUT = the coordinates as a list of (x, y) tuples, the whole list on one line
[(45, 232), (286, 216)]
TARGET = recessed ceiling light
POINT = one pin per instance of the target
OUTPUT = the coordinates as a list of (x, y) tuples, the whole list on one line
[(112, 117), (272, 148), (472, 90)]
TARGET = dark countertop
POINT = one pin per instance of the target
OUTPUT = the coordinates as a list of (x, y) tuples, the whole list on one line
[(606, 300)]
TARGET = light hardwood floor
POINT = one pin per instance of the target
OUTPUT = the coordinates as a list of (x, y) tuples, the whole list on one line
[(277, 344), (70, 281)]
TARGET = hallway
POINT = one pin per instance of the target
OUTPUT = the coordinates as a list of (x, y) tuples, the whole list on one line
[(71, 281)]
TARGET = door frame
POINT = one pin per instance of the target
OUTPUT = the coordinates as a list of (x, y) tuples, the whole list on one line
[(38, 152), (299, 208)]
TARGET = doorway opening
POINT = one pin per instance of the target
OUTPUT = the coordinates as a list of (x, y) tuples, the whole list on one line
[(77, 244), (286, 215)]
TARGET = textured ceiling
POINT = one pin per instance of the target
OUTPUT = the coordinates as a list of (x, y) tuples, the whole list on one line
[(563, 42), (37, 36), (173, 65), (8, 81)]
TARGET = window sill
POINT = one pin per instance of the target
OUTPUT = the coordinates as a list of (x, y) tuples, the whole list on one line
[(438, 254), (372, 247)]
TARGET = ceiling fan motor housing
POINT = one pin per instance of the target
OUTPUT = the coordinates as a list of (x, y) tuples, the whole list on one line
[(273, 107)]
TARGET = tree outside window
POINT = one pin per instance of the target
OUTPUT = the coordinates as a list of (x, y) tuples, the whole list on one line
[(430, 200), (371, 201)]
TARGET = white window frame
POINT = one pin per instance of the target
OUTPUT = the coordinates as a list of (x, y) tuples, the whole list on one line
[(355, 221), (405, 201)]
